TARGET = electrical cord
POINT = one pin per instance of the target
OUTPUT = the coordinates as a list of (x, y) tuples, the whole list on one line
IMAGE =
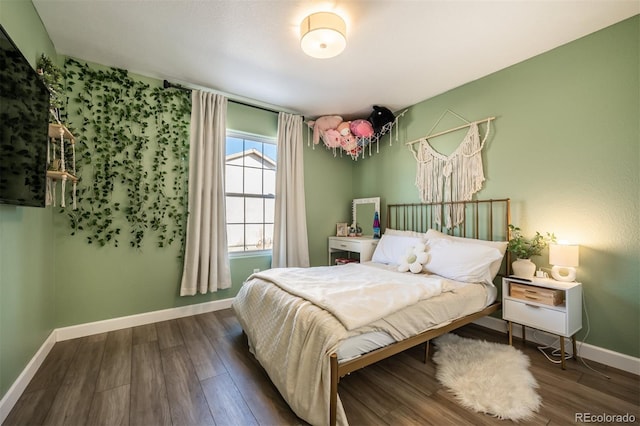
[(556, 350), (586, 314)]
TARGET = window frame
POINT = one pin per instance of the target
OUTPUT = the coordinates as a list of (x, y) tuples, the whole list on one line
[(259, 139)]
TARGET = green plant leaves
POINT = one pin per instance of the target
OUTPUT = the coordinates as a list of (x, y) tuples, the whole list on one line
[(525, 248), (52, 77), (132, 156)]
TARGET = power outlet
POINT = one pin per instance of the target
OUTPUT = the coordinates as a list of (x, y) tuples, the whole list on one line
[(256, 270)]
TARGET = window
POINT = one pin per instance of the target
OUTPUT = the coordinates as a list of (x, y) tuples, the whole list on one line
[(250, 179)]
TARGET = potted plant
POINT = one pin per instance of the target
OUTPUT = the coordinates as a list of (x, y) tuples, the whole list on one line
[(524, 248), (52, 77)]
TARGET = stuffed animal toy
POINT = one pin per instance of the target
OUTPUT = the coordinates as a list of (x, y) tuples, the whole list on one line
[(344, 128), (361, 128), (414, 260), (322, 124), (331, 138), (349, 143), (380, 117)]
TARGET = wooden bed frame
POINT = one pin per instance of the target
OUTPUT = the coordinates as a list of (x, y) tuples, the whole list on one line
[(483, 219)]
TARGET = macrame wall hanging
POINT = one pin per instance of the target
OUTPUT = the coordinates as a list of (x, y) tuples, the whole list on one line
[(454, 177), (353, 137)]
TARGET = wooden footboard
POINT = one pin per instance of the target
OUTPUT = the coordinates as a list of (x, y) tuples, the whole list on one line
[(339, 370)]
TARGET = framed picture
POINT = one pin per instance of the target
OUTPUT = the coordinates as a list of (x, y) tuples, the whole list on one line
[(342, 230)]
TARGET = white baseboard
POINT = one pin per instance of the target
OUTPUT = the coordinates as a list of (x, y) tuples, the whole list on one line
[(18, 387), (90, 328), (81, 330), (594, 353)]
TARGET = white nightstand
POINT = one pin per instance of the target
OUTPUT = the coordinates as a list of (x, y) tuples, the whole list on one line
[(530, 303), (365, 246)]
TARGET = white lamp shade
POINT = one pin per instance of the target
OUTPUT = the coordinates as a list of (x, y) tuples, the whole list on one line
[(323, 35), (564, 258), (564, 254)]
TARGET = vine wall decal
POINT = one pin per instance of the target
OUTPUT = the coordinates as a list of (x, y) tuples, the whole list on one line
[(132, 156)]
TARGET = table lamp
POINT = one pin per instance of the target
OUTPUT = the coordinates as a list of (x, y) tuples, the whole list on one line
[(564, 258)]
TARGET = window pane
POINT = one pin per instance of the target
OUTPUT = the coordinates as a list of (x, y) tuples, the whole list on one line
[(235, 209), (235, 237), (268, 236), (234, 145), (233, 179), (250, 169), (269, 209), (270, 182), (254, 209), (253, 181), (254, 237), (249, 144), (253, 160), (270, 151)]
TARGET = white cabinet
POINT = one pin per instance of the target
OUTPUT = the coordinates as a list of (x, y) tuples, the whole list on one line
[(364, 246), (544, 304)]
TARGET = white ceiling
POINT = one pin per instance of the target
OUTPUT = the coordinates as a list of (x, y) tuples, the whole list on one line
[(399, 52)]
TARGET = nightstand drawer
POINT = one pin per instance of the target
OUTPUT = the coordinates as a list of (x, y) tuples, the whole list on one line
[(535, 316), (353, 246), (364, 246), (547, 296)]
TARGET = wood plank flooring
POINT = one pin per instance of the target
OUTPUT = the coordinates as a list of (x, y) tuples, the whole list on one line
[(198, 371)]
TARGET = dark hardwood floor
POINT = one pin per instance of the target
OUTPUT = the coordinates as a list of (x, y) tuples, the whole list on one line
[(197, 371)]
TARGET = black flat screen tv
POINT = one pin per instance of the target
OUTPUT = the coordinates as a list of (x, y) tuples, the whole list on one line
[(24, 123)]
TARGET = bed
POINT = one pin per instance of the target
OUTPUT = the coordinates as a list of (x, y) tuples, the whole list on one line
[(308, 327)]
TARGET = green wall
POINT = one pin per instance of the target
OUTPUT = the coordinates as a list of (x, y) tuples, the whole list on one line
[(328, 185), (27, 287), (565, 148)]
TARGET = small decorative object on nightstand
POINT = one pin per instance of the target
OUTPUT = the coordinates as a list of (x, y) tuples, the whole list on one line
[(564, 258), (543, 304), (523, 248)]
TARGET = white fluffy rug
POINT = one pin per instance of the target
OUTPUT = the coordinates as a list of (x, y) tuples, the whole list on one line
[(487, 377)]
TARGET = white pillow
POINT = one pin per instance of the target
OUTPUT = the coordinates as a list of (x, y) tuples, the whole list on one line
[(392, 247), (461, 261), (415, 234), (432, 234)]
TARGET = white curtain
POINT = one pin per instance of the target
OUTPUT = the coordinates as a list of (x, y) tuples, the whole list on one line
[(290, 245), (206, 259)]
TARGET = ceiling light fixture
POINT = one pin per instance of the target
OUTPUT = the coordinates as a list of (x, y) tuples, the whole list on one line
[(323, 35)]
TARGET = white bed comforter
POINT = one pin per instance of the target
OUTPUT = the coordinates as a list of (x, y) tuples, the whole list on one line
[(356, 294), (291, 336)]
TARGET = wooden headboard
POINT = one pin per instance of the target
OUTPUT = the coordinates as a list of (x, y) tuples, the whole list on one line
[(480, 219)]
